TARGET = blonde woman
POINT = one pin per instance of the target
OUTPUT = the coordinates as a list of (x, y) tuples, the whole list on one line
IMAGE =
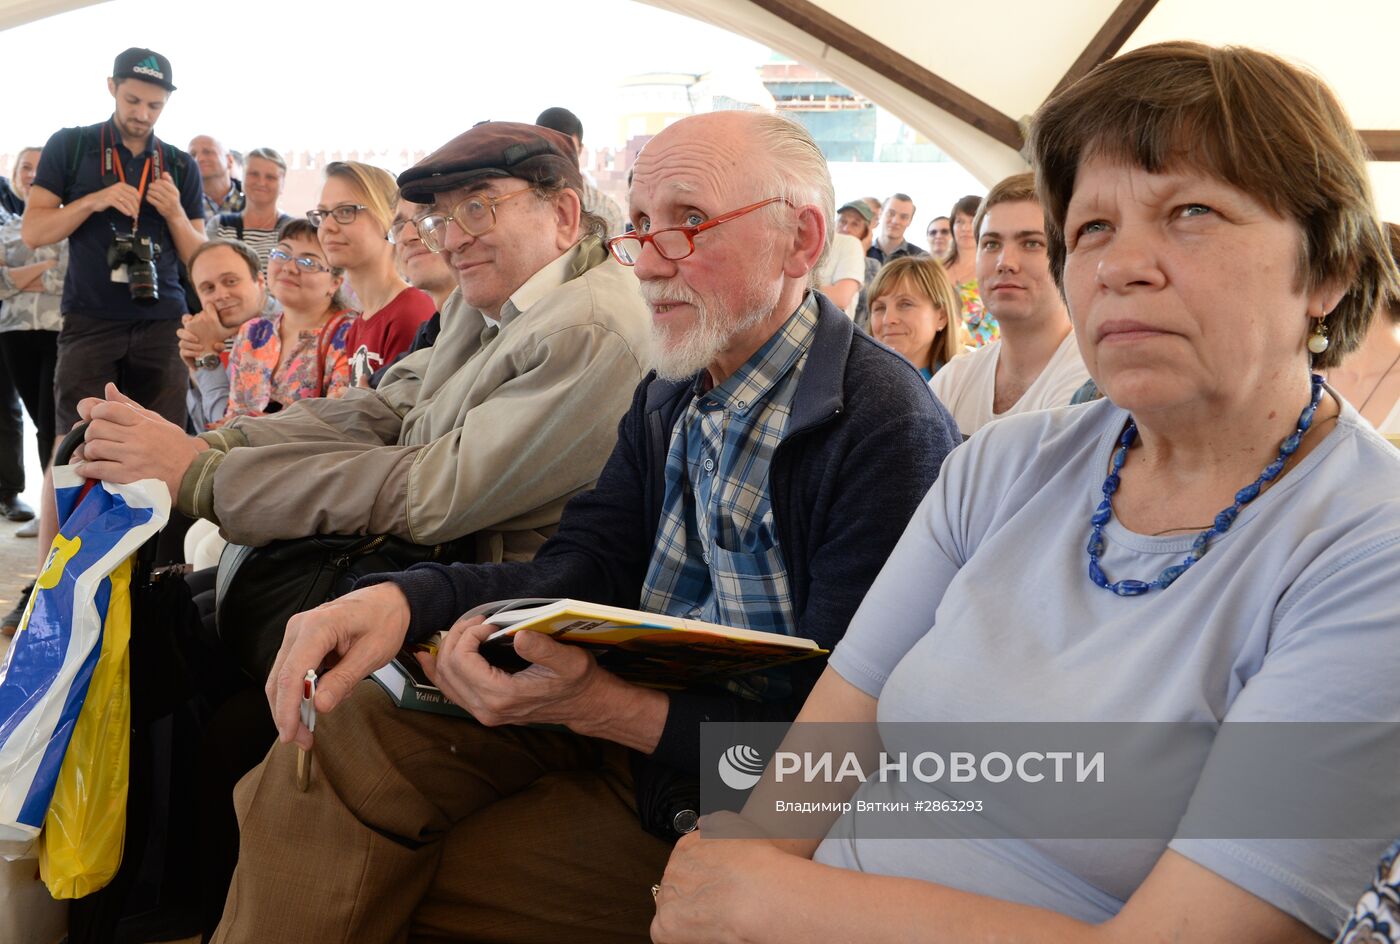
[(915, 310), (352, 220)]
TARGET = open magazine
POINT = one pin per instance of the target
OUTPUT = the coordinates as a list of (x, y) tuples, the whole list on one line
[(651, 649)]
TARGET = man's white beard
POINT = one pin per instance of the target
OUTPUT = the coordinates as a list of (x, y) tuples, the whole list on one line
[(678, 357)]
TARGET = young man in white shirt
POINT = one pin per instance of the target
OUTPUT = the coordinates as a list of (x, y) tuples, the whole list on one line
[(1035, 364)]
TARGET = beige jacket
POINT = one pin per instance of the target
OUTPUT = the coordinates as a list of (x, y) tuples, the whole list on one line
[(488, 432)]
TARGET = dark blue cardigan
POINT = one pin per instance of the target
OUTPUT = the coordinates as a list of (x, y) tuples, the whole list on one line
[(864, 443)]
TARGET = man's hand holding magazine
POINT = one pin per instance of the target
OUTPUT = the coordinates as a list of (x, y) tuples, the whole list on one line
[(562, 685)]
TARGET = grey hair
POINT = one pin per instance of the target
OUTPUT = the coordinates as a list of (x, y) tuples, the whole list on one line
[(268, 154), (798, 173), (589, 223)]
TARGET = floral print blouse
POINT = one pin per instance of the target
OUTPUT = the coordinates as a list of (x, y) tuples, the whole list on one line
[(1376, 919), (981, 327), (259, 375)]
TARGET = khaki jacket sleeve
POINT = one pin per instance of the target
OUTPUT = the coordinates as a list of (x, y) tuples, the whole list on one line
[(360, 416), (540, 436)]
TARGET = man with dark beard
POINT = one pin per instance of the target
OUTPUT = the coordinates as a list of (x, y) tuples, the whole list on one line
[(760, 479), (131, 208)]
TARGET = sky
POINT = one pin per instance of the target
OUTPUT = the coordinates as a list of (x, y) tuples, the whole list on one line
[(317, 74), (320, 75)]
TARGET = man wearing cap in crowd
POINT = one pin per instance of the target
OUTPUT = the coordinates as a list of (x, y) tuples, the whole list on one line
[(94, 185), (760, 479), (853, 219), (487, 432)]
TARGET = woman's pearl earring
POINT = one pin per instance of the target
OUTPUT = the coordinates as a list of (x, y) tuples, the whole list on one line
[(1318, 340)]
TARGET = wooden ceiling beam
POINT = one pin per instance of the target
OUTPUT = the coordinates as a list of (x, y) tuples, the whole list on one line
[(1120, 25), (1383, 145), (899, 69)]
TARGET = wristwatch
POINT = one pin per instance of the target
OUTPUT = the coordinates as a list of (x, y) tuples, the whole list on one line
[(207, 362)]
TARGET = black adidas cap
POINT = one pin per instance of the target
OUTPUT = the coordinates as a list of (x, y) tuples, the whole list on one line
[(144, 64)]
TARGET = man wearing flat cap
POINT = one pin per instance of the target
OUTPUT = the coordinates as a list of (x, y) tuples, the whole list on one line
[(486, 433), (760, 478)]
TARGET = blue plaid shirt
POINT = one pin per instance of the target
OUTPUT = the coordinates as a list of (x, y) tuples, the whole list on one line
[(716, 556)]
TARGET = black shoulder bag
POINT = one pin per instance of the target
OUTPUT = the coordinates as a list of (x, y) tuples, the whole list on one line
[(260, 588)]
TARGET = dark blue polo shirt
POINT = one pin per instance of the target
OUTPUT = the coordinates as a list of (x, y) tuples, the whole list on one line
[(88, 288)]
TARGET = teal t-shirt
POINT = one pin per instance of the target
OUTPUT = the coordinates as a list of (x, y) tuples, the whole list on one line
[(985, 612)]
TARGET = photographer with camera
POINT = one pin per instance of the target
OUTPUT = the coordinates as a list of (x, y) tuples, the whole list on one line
[(131, 207)]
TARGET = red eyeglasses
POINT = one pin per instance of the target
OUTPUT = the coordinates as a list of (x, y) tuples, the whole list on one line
[(678, 241)]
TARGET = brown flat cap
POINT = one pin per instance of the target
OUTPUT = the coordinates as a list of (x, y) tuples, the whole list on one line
[(494, 149)]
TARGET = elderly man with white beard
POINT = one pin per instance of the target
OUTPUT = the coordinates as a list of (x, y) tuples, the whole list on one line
[(760, 478)]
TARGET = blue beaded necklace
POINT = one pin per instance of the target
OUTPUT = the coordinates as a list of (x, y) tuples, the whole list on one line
[(1223, 521)]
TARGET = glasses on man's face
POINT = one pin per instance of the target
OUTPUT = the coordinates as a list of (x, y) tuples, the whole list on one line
[(344, 214), (679, 241), (304, 263), (397, 234), (935, 233), (475, 216)]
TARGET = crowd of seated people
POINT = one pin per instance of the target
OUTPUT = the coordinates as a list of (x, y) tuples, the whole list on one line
[(745, 405)]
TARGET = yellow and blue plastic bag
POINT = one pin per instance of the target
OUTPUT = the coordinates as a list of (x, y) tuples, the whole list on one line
[(64, 691)]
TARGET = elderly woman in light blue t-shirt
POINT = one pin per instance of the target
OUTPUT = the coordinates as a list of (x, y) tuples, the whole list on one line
[(1216, 540)]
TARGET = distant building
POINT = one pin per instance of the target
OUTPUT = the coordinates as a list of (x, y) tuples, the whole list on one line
[(841, 122)]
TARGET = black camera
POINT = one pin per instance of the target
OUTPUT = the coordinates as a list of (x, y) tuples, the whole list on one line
[(136, 256)]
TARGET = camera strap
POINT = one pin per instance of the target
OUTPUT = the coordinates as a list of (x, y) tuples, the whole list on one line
[(112, 170)]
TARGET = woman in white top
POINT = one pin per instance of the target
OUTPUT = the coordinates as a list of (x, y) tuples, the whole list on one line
[(1074, 565)]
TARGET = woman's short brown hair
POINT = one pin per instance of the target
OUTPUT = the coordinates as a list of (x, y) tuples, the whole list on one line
[(925, 276), (1248, 118)]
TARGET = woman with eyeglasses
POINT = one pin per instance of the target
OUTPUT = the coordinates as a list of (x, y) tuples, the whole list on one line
[(353, 218), (302, 351), (260, 222)]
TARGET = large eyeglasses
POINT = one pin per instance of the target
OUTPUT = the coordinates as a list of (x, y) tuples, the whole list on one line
[(476, 216), (344, 214), (304, 263), (679, 241)]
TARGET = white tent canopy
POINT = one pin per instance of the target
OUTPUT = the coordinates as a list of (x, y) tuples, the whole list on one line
[(19, 12), (964, 74)]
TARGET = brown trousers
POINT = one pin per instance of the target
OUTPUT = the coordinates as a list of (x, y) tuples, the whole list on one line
[(418, 827)]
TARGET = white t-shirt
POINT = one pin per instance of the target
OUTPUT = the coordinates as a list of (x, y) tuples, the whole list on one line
[(1390, 426), (966, 385), (985, 612), (845, 260)]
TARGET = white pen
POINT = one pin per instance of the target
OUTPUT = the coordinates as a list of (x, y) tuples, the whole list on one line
[(308, 718)]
